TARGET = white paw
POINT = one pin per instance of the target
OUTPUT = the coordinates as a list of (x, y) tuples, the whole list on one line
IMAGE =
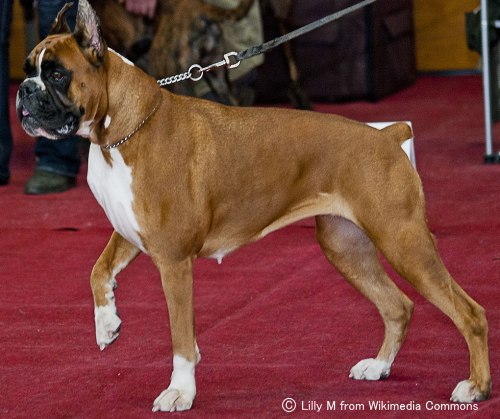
[(107, 325), (370, 369), (180, 393), (172, 400), (467, 392)]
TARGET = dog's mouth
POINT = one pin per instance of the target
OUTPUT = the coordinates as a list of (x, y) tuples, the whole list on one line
[(24, 112), (47, 122), (28, 122), (44, 112), (21, 110), (24, 116), (35, 127)]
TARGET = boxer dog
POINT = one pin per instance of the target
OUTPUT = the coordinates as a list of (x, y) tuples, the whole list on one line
[(181, 178)]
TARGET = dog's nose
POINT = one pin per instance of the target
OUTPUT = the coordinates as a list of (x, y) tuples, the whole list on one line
[(27, 88)]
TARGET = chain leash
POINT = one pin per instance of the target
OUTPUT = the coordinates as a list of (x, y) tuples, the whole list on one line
[(196, 71)]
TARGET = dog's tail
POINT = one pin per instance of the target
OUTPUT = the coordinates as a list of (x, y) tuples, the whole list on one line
[(399, 131)]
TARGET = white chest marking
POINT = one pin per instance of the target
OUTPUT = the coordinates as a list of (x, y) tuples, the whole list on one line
[(112, 187)]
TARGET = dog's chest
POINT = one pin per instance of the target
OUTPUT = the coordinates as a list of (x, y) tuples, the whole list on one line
[(111, 185)]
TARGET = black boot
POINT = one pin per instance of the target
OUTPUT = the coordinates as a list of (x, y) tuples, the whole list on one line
[(43, 182)]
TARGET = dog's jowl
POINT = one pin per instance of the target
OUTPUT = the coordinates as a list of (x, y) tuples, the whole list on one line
[(181, 178)]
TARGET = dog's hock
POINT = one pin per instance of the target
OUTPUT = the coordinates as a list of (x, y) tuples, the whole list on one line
[(370, 369)]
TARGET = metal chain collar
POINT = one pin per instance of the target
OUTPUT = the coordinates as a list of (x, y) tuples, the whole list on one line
[(137, 128)]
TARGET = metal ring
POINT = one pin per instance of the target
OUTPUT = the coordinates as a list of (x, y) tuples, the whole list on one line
[(197, 67)]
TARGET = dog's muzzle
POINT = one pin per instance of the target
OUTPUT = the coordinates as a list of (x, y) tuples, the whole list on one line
[(42, 114)]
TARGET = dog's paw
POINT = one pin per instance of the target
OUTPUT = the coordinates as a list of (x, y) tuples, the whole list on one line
[(107, 325), (467, 392), (370, 369), (172, 400)]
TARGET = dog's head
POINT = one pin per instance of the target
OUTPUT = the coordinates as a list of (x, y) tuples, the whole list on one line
[(64, 77)]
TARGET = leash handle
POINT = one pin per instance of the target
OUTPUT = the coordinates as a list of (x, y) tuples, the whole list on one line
[(233, 59)]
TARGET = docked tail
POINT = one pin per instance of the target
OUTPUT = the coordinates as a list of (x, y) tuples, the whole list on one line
[(399, 131)]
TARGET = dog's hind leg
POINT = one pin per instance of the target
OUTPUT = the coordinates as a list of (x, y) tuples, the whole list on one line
[(115, 257), (351, 251), (410, 248), (177, 284)]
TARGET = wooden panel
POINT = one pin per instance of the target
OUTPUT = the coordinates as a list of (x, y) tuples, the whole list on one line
[(17, 49), (440, 35)]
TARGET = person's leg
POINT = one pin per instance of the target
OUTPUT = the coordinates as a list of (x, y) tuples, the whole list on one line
[(57, 162), (5, 132), (61, 156)]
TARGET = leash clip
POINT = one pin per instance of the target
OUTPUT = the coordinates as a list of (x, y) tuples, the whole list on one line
[(227, 59), (228, 62)]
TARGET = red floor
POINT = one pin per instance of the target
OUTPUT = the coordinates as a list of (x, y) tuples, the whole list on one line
[(274, 320)]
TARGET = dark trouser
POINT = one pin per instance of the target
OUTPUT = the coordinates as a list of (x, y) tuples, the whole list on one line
[(5, 133), (61, 156)]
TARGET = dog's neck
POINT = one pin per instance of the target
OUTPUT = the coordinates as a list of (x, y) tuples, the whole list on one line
[(125, 105)]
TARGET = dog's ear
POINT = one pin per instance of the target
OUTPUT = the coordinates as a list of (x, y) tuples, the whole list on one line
[(60, 25), (88, 33)]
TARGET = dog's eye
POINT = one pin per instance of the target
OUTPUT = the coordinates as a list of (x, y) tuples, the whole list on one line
[(56, 75)]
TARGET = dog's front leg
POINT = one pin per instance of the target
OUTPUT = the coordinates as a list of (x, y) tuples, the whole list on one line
[(115, 257), (177, 284)]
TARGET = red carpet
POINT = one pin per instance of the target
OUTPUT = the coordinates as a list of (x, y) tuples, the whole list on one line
[(274, 320)]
